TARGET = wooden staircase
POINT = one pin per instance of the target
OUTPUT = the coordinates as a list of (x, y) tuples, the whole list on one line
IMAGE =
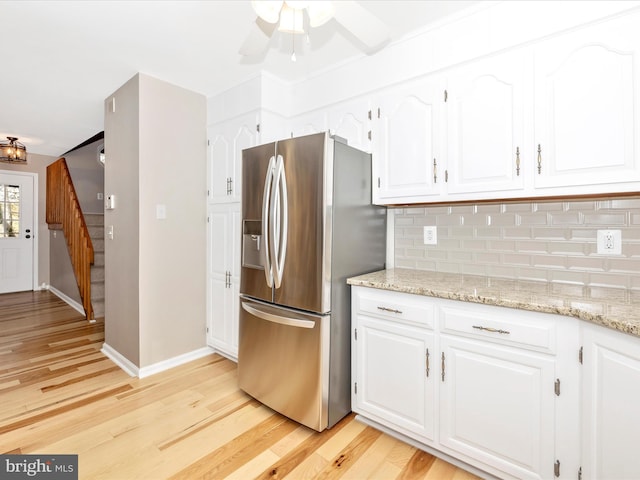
[(95, 225), (64, 213)]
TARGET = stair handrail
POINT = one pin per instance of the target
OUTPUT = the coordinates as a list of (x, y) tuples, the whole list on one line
[(64, 213)]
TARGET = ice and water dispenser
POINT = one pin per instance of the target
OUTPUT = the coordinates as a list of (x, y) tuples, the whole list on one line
[(252, 255)]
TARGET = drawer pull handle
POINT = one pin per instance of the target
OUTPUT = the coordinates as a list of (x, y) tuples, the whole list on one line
[(386, 309), (492, 330)]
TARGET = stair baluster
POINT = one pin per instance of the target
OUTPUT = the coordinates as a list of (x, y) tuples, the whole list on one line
[(64, 213)]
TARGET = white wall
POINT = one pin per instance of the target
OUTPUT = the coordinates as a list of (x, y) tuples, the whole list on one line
[(155, 268), (122, 178), (172, 282), (88, 176)]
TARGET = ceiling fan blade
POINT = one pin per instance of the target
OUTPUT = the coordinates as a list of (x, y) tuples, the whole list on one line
[(365, 26), (258, 39)]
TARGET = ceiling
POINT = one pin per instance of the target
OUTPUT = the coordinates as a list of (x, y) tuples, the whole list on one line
[(63, 58)]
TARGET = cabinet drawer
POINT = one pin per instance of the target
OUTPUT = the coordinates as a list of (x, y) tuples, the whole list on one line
[(403, 307), (511, 327)]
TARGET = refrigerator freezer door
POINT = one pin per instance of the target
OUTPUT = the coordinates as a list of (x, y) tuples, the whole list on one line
[(283, 361), (255, 170)]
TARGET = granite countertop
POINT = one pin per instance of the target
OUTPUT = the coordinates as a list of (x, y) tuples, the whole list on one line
[(614, 308)]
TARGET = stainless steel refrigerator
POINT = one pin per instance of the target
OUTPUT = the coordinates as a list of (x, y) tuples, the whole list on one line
[(307, 225)]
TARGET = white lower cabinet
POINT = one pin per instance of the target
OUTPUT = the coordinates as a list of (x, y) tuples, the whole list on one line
[(395, 380), (223, 278), (497, 406), (494, 388), (611, 401), (393, 356)]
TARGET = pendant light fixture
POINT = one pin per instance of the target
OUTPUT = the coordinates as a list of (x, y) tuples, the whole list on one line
[(12, 151)]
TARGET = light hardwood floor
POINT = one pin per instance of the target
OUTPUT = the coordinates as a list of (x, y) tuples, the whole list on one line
[(59, 394)]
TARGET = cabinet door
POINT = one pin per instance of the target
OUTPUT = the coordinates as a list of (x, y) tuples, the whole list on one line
[(611, 396), (308, 124), (587, 109), (224, 163), (407, 162), (350, 120), (223, 278), (395, 376), (497, 407), (486, 119)]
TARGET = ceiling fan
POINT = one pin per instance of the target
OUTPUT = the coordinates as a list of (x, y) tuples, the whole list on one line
[(291, 16)]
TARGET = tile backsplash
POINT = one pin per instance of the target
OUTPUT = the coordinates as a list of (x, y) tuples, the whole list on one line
[(547, 241)]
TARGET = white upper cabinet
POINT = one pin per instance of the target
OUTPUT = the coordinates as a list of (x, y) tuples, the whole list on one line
[(587, 107), (560, 117), (407, 163), (226, 142), (486, 128), (308, 124), (350, 120)]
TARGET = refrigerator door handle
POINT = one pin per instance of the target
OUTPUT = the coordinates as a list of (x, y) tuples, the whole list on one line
[(256, 311), (266, 197), (280, 219)]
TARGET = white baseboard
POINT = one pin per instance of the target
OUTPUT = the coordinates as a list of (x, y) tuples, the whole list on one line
[(68, 300), (131, 369), (174, 362), (120, 360), (223, 350)]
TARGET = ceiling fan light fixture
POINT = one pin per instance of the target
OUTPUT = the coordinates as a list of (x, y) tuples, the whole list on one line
[(291, 20), (268, 10), (12, 151), (320, 12), (298, 4)]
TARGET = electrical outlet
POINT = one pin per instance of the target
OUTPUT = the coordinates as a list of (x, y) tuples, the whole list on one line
[(609, 242), (431, 235)]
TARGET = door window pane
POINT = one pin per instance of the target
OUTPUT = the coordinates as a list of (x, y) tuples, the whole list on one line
[(9, 211)]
